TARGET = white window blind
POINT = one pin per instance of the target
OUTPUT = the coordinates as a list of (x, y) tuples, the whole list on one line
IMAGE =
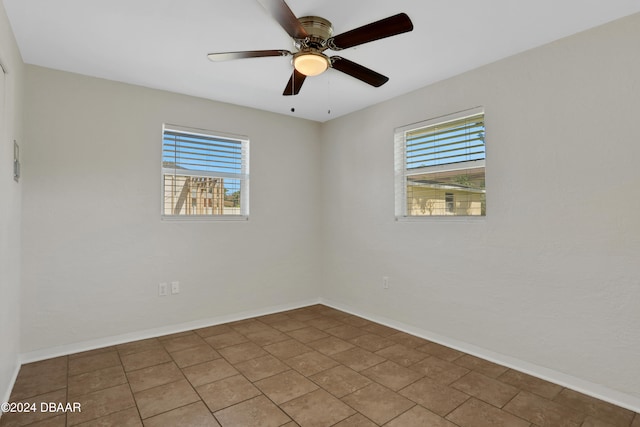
[(452, 142), (205, 174), (440, 166)]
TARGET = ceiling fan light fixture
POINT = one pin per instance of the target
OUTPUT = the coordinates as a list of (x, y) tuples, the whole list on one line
[(310, 63)]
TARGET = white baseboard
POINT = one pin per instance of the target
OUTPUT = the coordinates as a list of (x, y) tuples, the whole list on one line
[(586, 387), (48, 353)]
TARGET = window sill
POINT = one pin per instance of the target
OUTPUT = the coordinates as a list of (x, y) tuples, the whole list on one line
[(441, 218), (203, 218)]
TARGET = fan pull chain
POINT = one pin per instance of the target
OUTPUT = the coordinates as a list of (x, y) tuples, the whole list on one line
[(328, 94)]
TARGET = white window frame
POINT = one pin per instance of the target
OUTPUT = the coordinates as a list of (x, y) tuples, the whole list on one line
[(401, 172), (243, 177)]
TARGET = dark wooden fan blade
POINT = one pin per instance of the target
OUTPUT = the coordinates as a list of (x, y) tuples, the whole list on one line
[(391, 26), (295, 83), (285, 17), (227, 56), (358, 71)]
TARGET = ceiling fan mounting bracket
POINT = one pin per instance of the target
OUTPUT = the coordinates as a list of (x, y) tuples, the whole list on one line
[(318, 30)]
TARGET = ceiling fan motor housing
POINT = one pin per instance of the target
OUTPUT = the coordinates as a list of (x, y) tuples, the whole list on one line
[(319, 30)]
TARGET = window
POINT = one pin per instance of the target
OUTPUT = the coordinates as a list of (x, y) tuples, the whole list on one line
[(440, 167), (204, 174)]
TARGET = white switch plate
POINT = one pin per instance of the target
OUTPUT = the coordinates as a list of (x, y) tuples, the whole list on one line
[(163, 289), (175, 288)]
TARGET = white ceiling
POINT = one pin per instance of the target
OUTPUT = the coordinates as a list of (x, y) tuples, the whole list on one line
[(163, 43)]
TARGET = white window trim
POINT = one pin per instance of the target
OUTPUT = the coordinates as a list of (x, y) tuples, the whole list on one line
[(400, 175), (244, 192)]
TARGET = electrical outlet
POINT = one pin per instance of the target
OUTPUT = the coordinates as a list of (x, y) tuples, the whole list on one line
[(163, 289), (385, 282), (175, 287)]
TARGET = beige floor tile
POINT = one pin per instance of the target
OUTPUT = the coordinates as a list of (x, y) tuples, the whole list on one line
[(138, 346), (330, 345), (436, 397), (304, 316), (39, 378), (209, 372), (101, 403), (225, 340), (419, 417), (241, 352), (169, 337), (270, 319), (183, 343), (127, 418), (475, 413), (402, 354), (59, 421), (440, 370), (261, 367), (378, 403), (210, 331), (287, 349), (531, 384), (594, 422), (345, 332), (356, 321), (340, 380), (165, 398), (267, 337), (249, 326), (311, 363), (306, 335), (543, 412), (288, 325), (407, 340), (285, 386), (94, 362), (317, 408), (392, 375), (256, 412), (440, 351), (227, 392), (195, 355), (357, 420), (486, 389), (484, 367), (383, 331), (153, 376), (594, 407), (371, 342), (144, 359), (96, 380), (323, 322), (358, 359), (193, 415)]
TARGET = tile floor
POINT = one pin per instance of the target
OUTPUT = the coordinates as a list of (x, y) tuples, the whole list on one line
[(313, 366)]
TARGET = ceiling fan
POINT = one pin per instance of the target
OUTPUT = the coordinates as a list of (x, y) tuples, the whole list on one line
[(312, 36)]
